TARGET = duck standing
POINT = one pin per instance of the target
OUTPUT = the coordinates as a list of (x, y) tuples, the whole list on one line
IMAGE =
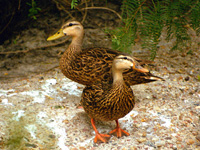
[(107, 102)]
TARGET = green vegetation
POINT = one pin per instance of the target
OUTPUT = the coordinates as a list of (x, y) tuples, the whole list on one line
[(149, 18), (198, 77), (33, 10), (145, 20), (74, 3), (17, 134)]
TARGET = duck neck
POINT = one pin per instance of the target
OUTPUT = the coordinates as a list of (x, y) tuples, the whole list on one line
[(74, 48), (117, 76), (77, 40)]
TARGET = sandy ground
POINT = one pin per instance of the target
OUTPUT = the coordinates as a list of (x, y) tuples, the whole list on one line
[(41, 112)]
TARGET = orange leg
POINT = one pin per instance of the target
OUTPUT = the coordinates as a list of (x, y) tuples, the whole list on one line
[(118, 130), (101, 137)]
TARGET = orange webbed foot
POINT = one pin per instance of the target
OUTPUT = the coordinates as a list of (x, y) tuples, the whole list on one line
[(119, 131), (101, 137)]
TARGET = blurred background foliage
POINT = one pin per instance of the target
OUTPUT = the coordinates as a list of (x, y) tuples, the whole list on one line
[(141, 20)]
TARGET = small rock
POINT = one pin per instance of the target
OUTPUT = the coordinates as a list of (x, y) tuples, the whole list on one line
[(30, 145), (65, 121), (137, 125), (194, 133), (187, 78), (119, 147), (133, 148), (181, 117), (143, 120), (149, 143), (198, 137), (41, 78), (143, 109), (169, 141), (198, 107), (148, 97), (52, 136), (198, 144), (155, 139), (174, 147), (179, 139), (168, 138), (74, 148), (144, 134), (141, 140), (190, 141), (157, 109), (160, 143), (180, 78)]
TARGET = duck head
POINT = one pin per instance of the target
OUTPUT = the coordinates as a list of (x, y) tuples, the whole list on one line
[(70, 28)]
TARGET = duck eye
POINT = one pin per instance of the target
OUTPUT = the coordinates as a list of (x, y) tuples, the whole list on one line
[(70, 24), (125, 58)]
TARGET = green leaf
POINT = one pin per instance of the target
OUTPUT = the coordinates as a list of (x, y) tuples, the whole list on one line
[(15, 41), (74, 4), (198, 77), (189, 52), (33, 10), (149, 19)]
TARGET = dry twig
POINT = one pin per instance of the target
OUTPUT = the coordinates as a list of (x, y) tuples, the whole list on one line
[(103, 8), (85, 12), (31, 49), (8, 22)]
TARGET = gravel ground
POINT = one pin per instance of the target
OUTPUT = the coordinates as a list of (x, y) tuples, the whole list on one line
[(41, 112)]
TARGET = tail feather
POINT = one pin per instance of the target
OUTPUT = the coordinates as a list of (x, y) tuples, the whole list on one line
[(154, 78)]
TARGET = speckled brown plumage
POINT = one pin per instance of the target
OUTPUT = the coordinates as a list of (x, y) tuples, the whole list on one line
[(92, 64), (107, 102)]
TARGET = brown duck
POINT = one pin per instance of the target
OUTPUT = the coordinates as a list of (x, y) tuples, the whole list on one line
[(107, 102), (93, 64)]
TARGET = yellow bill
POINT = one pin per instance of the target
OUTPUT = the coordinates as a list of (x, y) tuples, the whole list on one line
[(58, 35)]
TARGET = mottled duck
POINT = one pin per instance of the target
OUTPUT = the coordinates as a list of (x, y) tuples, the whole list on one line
[(88, 65), (107, 102)]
